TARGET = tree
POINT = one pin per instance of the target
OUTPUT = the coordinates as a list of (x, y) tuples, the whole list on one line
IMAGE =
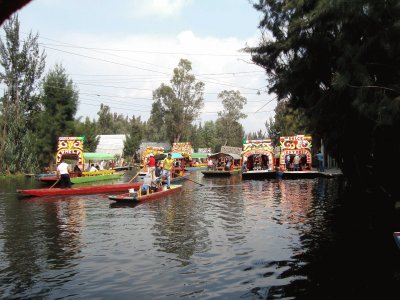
[(134, 138), (88, 129), (111, 123), (287, 121), (339, 61), (22, 67), (59, 101), (156, 129), (229, 128), (181, 102)]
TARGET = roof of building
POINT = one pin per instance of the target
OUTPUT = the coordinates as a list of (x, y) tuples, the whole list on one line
[(111, 144)]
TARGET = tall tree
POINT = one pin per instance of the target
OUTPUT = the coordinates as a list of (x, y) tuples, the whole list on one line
[(287, 121), (156, 125), (229, 128), (133, 139), (339, 61), (22, 66), (88, 129), (181, 102), (59, 100)]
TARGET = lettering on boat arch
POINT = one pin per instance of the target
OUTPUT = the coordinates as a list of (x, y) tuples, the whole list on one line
[(261, 147), (71, 147), (297, 144)]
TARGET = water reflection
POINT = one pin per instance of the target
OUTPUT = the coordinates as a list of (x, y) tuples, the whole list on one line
[(227, 239)]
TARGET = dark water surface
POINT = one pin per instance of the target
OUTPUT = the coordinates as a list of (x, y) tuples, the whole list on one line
[(229, 239)]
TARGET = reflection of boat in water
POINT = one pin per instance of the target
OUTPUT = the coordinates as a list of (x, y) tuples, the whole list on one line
[(92, 189), (138, 196)]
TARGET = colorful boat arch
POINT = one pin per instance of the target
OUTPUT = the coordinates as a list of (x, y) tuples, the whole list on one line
[(71, 147), (297, 144), (261, 148)]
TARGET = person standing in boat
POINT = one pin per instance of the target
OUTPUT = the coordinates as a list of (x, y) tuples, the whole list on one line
[(320, 158), (151, 163), (296, 163), (63, 175), (168, 164)]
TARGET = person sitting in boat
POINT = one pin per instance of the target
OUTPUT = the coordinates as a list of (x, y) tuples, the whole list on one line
[(77, 171), (228, 165), (210, 164), (244, 167), (92, 168)]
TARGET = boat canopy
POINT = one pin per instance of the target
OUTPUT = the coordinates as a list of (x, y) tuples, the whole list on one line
[(222, 154), (199, 155), (174, 155), (97, 156)]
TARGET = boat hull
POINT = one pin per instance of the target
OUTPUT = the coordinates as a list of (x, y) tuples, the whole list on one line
[(195, 168), (260, 174), (213, 173), (93, 189), (83, 179), (127, 198)]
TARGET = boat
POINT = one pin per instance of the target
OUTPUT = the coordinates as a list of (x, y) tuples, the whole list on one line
[(396, 236), (135, 195), (86, 177), (259, 159), (92, 189), (71, 149), (290, 147), (220, 173), (220, 159)]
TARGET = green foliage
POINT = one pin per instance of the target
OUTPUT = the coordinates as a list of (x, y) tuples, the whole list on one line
[(338, 61), (22, 64), (181, 102), (111, 123), (59, 100), (88, 129), (134, 138), (156, 128), (228, 126)]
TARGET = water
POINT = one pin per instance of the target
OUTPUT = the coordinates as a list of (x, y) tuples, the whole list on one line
[(228, 239)]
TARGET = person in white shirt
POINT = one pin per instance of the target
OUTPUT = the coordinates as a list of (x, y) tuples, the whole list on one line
[(92, 168), (63, 175)]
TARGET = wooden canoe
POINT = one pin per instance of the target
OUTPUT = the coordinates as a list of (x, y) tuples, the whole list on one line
[(129, 198), (90, 189)]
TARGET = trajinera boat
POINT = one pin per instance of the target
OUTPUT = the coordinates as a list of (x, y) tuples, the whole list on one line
[(224, 164), (92, 189), (71, 149), (258, 159), (136, 195)]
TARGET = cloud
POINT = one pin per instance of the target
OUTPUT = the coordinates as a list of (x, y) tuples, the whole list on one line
[(158, 8)]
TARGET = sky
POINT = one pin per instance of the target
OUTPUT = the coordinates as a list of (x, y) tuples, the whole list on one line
[(118, 52)]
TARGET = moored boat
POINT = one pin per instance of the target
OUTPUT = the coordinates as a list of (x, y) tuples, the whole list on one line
[(136, 196), (224, 164), (258, 159), (86, 177), (92, 189)]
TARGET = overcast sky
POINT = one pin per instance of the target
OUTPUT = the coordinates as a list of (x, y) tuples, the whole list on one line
[(118, 52)]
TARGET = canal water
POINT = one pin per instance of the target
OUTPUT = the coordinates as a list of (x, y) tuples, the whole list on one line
[(228, 239)]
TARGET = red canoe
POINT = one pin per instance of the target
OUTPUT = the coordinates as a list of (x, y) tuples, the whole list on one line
[(129, 198), (90, 189)]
